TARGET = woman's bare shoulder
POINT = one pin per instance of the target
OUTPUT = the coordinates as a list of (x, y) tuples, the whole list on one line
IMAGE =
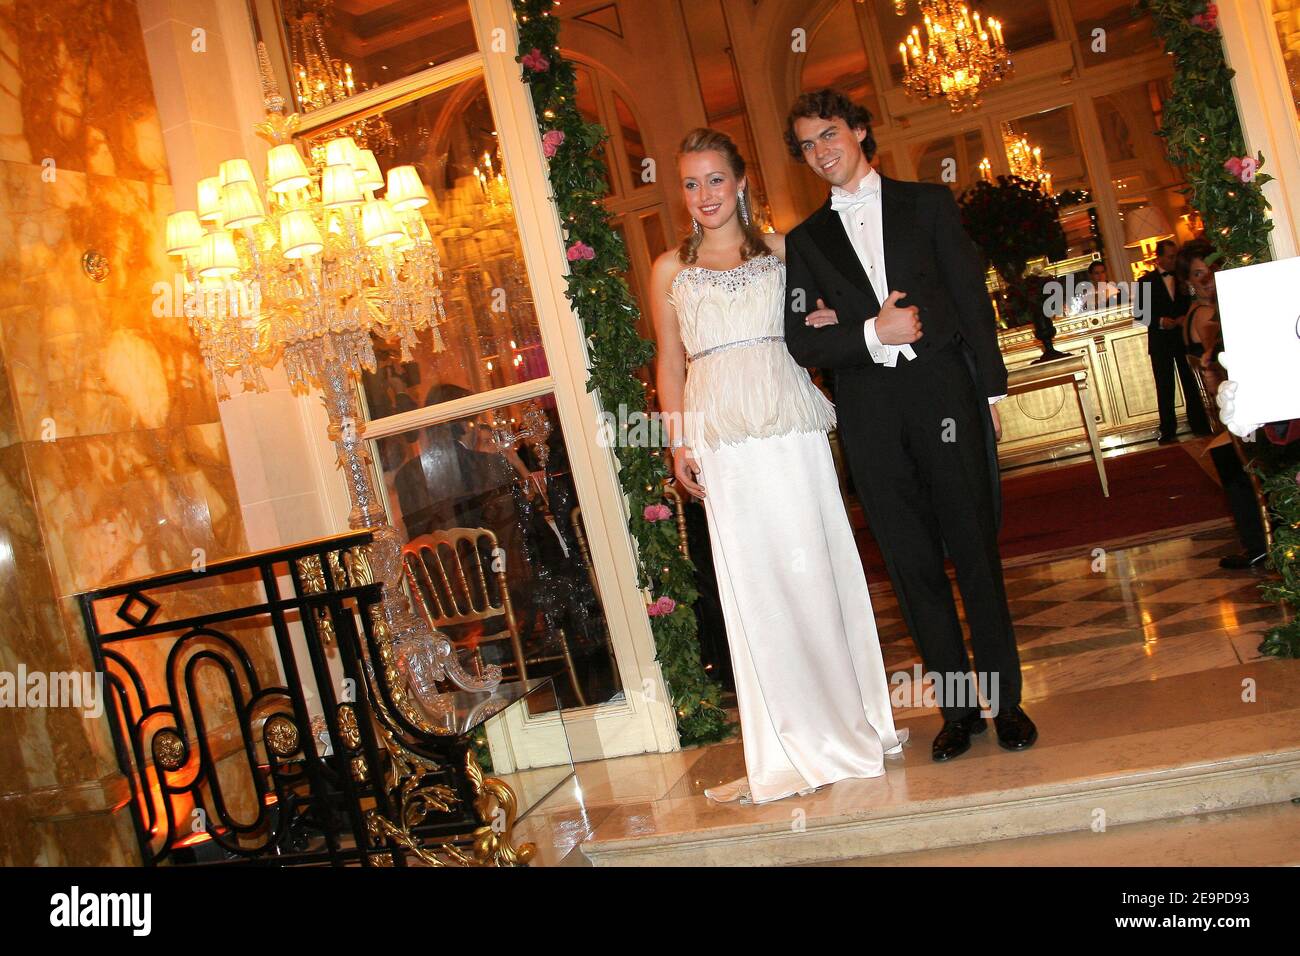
[(665, 269)]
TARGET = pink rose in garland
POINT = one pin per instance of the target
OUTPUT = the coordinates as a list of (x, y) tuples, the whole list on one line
[(580, 250), (657, 512), (661, 607), (1243, 167), (552, 140), (535, 60), (1208, 19)]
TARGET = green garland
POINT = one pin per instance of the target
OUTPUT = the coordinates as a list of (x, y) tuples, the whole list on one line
[(1203, 135), (600, 296), (1202, 131), (1282, 485)]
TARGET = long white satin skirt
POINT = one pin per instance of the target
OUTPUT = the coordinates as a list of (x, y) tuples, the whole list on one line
[(810, 680)]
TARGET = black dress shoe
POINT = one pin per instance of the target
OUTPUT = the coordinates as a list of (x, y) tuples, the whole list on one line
[(1015, 730), (954, 739), (1167, 440), (1240, 562)]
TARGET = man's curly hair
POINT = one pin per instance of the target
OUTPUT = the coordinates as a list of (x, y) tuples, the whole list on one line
[(828, 104)]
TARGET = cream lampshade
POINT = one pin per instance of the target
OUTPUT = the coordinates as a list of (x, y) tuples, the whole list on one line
[(338, 187), (405, 190), (299, 236), (241, 206), (1145, 225), (217, 258), (342, 151), (235, 171), (379, 223), (368, 174), (285, 170), (209, 199), (183, 232)]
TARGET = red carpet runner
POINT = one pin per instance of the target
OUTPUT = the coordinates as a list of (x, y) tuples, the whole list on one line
[(1064, 507)]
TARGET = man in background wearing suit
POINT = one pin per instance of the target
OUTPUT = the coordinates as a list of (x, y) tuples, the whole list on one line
[(1162, 306)]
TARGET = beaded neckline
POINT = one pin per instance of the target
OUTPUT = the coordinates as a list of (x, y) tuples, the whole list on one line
[(768, 262)]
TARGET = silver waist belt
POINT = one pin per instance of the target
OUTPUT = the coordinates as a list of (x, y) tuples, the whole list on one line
[(735, 345)]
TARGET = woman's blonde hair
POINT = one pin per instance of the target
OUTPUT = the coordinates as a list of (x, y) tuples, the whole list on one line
[(705, 140)]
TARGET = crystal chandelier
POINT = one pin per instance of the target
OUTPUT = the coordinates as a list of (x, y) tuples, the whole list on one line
[(959, 57), (320, 79), (306, 264), (1025, 160)]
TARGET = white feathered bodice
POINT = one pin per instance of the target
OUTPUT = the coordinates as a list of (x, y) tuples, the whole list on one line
[(741, 382)]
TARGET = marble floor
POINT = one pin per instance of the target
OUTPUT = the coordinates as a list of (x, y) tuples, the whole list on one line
[(1087, 623)]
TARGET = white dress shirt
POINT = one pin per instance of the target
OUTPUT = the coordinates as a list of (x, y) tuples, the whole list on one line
[(860, 213)]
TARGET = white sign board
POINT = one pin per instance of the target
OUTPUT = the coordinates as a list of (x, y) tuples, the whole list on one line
[(1260, 309)]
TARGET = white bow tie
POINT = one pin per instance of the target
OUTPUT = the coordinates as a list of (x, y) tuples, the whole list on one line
[(842, 199)]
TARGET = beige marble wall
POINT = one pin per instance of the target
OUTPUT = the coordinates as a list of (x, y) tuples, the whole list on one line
[(113, 462)]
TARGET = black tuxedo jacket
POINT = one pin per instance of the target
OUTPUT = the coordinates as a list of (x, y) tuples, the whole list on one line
[(928, 256), (1153, 304)]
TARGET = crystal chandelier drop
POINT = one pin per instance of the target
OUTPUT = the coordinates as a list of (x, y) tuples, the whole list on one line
[(1025, 160), (496, 193), (959, 57), (320, 79), (305, 264)]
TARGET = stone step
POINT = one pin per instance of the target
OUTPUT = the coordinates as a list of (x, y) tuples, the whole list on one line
[(1191, 744), (1255, 836)]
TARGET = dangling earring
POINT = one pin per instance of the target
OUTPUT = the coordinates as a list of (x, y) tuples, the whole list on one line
[(695, 226), (743, 206)]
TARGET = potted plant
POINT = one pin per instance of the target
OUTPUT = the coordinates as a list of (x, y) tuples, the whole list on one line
[(1014, 221)]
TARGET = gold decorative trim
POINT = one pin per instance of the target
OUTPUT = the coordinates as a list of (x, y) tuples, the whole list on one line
[(281, 736), (313, 577), (168, 750), (498, 808)]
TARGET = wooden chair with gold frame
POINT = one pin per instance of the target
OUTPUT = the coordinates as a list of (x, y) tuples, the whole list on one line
[(446, 595)]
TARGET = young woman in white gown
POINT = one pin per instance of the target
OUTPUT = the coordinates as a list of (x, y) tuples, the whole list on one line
[(748, 430)]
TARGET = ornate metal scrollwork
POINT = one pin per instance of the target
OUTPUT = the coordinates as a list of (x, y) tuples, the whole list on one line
[(495, 802)]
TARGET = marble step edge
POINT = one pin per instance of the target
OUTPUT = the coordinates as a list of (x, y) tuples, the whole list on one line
[(1264, 779), (1211, 839)]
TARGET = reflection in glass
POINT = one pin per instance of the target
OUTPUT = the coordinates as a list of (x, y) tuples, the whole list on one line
[(1138, 167), (587, 102), (1286, 17), (339, 47), (1122, 34), (633, 148), (1055, 133), (953, 161), (513, 584), (490, 338), (836, 57)]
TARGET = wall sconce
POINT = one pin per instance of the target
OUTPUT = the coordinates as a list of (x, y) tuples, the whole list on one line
[(95, 264)]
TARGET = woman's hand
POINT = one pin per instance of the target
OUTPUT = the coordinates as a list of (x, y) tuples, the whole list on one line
[(822, 316), (687, 471)]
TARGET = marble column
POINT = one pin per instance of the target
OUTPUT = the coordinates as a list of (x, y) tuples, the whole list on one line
[(113, 463)]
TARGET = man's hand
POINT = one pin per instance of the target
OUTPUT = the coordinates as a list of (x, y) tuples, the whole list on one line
[(997, 423), (1168, 323), (898, 325), (823, 316)]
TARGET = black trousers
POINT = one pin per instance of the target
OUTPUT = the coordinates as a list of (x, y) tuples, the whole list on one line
[(1241, 499), (1164, 361), (918, 451)]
